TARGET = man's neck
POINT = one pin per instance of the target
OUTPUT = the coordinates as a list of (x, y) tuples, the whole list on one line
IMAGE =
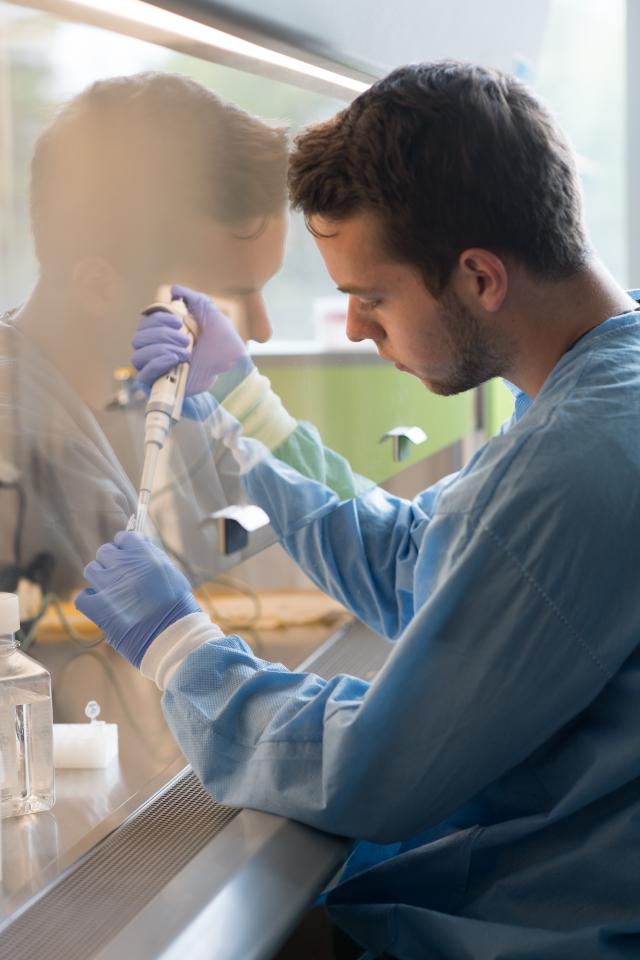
[(84, 351), (556, 315)]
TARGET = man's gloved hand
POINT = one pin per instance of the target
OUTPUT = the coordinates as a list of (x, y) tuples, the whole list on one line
[(135, 594), (159, 344)]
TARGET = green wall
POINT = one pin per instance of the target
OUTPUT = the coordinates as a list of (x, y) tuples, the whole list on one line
[(498, 406), (354, 404)]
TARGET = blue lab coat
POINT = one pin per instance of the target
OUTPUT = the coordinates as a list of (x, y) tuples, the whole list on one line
[(491, 771)]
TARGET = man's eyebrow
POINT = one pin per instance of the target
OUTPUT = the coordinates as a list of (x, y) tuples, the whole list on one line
[(360, 291)]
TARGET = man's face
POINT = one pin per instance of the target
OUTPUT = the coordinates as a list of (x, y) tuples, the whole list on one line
[(440, 341), (232, 264)]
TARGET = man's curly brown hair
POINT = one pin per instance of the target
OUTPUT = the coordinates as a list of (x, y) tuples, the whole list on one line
[(448, 156)]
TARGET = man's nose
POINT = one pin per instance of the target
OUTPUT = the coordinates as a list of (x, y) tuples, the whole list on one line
[(257, 323), (358, 327)]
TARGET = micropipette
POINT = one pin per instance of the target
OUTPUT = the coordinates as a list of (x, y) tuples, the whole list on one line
[(163, 410)]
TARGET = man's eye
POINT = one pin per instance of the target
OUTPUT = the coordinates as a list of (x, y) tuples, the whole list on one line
[(370, 304)]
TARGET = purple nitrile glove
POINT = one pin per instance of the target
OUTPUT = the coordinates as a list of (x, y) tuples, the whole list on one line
[(135, 594), (159, 344)]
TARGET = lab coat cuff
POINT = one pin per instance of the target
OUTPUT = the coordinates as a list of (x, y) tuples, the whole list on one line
[(171, 647), (260, 411)]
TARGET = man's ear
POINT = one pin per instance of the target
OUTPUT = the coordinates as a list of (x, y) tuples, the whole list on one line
[(483, 278), (96, 286)]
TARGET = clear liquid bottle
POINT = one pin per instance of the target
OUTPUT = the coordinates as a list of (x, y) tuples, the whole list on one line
[(26, 722)]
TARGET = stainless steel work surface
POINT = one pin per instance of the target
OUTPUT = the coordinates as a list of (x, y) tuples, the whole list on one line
[(137, 860), (38, 847), (238, 898)]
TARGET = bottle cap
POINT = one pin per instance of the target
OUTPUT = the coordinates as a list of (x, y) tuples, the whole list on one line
[(9, 613)]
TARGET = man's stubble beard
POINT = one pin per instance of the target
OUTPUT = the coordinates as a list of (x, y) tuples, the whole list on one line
[(477, 355)]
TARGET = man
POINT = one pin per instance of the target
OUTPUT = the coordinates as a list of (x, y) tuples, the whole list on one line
[(490, 771), (137, 182)]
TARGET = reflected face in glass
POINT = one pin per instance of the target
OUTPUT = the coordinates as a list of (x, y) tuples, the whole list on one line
[(438, 340), (232, 264)]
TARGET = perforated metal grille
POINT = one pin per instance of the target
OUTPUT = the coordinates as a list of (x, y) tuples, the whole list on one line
[(98, 897), (359, 652)]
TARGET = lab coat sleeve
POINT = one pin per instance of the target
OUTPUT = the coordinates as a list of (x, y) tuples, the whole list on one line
[(488, 670), (261, 416), (361, 551), (305, 452)]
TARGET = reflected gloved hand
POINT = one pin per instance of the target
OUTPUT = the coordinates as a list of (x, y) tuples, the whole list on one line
[(135, 594), (159, 344)]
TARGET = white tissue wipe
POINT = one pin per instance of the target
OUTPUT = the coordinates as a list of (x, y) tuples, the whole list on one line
[(84, 745)]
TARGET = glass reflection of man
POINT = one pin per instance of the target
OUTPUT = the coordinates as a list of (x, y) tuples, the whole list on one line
[(138, 182)]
